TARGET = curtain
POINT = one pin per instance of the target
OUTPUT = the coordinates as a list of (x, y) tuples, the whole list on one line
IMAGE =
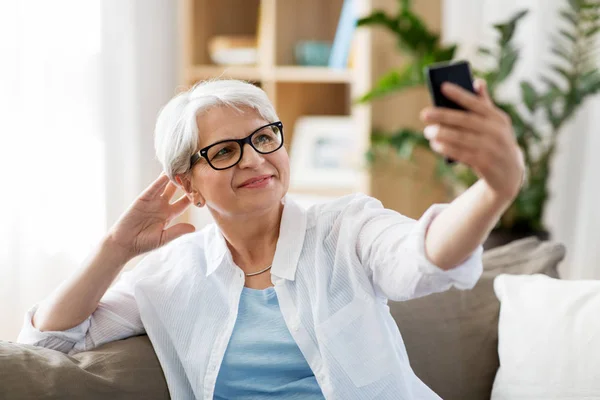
[(81, 83), (571, 214)]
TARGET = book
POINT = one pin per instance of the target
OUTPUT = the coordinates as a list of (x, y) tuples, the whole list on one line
[(343, 35)]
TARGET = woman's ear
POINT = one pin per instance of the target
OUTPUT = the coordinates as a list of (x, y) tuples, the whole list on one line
[(185, 182)]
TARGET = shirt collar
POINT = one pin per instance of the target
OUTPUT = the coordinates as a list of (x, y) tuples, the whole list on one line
[(289, 245), (291, 240), (215, 247)]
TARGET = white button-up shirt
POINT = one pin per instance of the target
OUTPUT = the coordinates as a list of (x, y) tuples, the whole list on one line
[(335, 267)]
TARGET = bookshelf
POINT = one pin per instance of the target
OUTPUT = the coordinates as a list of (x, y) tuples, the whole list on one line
[(300, 90)]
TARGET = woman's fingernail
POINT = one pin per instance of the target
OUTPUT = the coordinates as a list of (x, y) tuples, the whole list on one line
[(436, 146), (431, 131)]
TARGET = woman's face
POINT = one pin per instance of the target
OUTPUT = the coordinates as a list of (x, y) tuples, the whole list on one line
[(225, 191)]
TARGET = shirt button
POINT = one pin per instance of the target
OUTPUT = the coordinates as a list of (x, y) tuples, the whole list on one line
[(294, 325)]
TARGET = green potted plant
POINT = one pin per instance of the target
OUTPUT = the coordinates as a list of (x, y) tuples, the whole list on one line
[(538, 114)]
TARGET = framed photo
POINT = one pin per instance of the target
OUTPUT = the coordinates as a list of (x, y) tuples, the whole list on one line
[(324, 153)]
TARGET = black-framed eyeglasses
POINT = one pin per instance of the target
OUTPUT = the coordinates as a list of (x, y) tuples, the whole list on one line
[(227, 153)]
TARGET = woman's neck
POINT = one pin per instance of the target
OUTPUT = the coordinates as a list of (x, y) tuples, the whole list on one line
[(252, 241)]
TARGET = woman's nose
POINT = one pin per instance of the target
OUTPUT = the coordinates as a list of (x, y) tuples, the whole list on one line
[(250, 157)]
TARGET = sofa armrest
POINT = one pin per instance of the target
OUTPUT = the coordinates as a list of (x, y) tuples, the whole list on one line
[(123, 369)]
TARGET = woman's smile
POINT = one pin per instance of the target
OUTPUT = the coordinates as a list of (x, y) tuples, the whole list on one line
[(257, 182)]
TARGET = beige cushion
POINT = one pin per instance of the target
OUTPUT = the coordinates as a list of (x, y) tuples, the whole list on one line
[(125, 369), (452, 337)]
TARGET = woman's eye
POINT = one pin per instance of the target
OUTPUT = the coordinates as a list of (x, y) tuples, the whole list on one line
[(223, 152), (264, 138)]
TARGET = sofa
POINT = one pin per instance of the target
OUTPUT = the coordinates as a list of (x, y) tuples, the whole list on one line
[(451, 339)]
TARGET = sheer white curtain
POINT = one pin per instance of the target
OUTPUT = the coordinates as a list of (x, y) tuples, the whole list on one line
[(572, 213), (80, 85)]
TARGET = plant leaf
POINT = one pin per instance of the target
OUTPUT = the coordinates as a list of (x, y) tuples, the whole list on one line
[(370, 156), (590, 32), (403, 142), (530, 200), (575, 5), (507, 29), (589, 83), (378, 18), (552, 117), (567, 35), (442, 169), (563, 72), (379, 138), (562, 53), (393, 81), (520, 127), (485, 51), (553, 94), (530, 96), (444, 54), (414, 34), (507, 64), (590, 77), (569, 16), (405, 151), (550, 83)]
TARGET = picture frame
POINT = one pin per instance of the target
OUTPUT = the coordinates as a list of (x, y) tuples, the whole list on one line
[(324, 153)]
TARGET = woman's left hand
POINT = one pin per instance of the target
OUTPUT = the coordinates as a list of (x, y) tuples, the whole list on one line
[(480, 137)]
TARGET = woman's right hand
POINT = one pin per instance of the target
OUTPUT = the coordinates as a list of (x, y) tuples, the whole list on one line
[(142, 227)]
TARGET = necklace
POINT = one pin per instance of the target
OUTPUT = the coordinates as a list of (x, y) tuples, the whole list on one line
[(259, 272)]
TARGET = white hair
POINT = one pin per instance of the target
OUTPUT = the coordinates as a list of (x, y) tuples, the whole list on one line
[(176, 132)]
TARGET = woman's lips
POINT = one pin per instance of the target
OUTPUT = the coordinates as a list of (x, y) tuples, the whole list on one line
[(258, 183)]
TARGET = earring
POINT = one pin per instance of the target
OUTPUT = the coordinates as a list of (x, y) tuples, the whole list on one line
[(199, 204)]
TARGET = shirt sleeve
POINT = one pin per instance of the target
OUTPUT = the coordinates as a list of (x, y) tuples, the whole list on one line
[(391, 247), (117, 317)]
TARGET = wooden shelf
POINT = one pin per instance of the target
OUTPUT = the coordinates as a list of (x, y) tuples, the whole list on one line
[(312, 74), (200, 72), (297, 91)]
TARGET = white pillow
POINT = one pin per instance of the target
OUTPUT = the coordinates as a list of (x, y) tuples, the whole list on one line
[(548, 338)]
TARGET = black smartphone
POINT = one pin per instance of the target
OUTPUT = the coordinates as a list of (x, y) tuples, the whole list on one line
[(457, 72)]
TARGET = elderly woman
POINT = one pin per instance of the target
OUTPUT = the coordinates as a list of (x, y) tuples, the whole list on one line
[(275, 301)]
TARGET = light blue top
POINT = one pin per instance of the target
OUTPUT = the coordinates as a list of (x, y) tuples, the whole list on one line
[(262, 360)]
